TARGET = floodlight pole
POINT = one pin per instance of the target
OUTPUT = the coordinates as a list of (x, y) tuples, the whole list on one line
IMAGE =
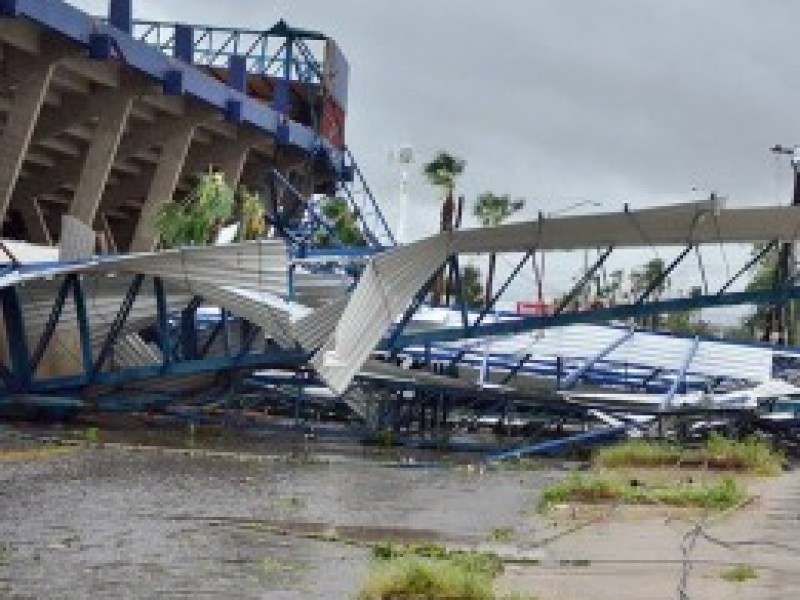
[(786, 316)]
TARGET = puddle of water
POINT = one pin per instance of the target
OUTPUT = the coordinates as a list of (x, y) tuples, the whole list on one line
[(115, 523)]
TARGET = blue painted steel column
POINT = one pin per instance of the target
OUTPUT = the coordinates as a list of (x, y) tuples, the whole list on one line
[(83, 324), (680, 379), (282, 102), (120, 14), (189, 332), (237, 72), (576, 376), (15, 337), (184, 43)]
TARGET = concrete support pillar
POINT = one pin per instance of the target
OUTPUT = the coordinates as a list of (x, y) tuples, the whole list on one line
[(23, 114), (100, 157), (231, 163), (162, 189)]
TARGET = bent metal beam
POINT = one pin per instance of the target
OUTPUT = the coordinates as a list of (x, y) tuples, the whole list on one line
[(391, 279)]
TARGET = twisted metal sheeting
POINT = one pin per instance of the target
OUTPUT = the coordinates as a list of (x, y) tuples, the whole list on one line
[(391, 280)]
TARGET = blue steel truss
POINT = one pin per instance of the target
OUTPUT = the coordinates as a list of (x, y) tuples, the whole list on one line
[(281, 51)]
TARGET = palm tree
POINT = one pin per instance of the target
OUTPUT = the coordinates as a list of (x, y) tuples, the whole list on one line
[(491, 210), (443, 172)]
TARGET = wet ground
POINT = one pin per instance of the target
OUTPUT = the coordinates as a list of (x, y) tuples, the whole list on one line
[(116, 522)]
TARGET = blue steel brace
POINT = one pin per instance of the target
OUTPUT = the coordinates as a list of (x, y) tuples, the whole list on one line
[(563, 305), (51, 324), (15, 337), (656, 283), (212, 337), (118, 324), (576, 376), (493, 302), (749, 265)]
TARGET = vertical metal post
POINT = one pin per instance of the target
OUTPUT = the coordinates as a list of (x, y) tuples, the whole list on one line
[(189, 332), (83, 324), (237, 73), (226, 334), (15, 337), (184, 43), (120, 14)]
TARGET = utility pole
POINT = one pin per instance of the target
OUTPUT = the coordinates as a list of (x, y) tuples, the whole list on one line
[(785, 316)]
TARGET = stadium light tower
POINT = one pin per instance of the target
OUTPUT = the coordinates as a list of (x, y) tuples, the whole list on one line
[(404, 157), (786, 317)]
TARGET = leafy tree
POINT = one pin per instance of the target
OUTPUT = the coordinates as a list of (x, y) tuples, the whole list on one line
[(250, 215), (443, 172), (491, 210), (212, 204), (471, 285), (338, 213)]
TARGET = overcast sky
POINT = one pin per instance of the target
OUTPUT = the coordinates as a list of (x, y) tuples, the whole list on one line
[(558, 101)]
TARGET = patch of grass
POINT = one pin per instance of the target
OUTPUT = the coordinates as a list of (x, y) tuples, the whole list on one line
[(739, 574), (502, 534), (419, 577), (720, 495), (430, 571), (92, 435), (638, 453), (751, 455), (5, 553), (485, 562), (36, 453)]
